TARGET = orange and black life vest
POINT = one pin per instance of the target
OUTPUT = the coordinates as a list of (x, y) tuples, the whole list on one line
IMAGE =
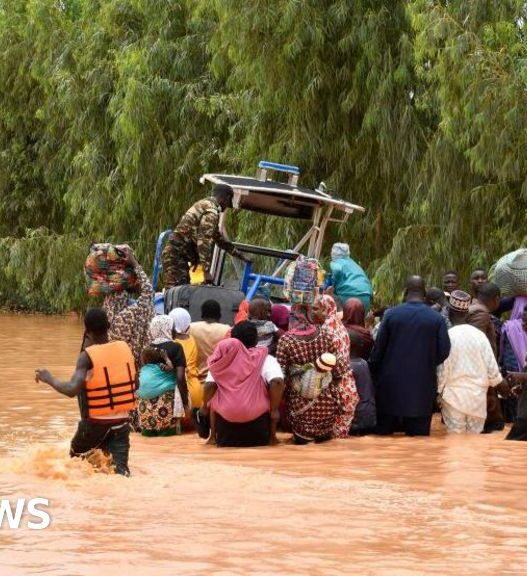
[(111, 386)]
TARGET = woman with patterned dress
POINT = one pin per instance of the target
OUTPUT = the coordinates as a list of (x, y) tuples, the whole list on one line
[(129, 315), (161, 414), (314, 419), (325, 315)]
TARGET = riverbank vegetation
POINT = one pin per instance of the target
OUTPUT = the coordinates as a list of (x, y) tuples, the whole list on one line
[(111, 110)]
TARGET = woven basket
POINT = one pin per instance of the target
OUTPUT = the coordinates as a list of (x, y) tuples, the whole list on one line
[(510, 273)]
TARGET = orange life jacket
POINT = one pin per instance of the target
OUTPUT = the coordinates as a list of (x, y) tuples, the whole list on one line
[(111, 387)]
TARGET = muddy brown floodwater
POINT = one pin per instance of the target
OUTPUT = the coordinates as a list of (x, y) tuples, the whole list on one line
[(368, 506)]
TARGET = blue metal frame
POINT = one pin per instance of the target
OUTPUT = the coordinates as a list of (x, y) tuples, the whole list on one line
[(258, 279), (158, 264), (248, 276), (250, 282)]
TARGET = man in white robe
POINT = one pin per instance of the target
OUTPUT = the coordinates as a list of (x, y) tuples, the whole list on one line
[(468, 372)]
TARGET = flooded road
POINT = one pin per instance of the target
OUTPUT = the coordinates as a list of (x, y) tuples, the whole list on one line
[(369, 506)]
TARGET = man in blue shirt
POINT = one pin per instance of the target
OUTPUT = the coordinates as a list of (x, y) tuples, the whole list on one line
[(412, 342), (348, 278)]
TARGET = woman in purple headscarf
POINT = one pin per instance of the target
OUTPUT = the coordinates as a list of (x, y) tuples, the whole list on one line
[(514, 338), (513, 348)]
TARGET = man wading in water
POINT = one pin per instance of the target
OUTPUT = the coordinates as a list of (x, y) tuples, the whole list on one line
[(412, 342), (104, 383)]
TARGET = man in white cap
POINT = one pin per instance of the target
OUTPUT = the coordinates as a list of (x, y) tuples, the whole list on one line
[(468, 372), (348, 279)]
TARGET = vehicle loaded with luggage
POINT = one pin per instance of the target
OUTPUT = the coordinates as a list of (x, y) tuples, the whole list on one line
[(295, 269)]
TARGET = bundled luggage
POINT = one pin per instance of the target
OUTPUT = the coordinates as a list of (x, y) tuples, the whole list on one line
[(301, 281), (108, 270), (308, 381), (510, 273)]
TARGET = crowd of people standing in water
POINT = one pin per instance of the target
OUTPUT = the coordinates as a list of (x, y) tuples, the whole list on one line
[(331, 369)]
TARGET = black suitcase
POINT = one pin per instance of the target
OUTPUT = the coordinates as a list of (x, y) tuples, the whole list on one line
[(192, 297)]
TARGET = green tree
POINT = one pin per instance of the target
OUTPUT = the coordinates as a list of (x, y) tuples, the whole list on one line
[(111, 110), (469, 201), (326, 85)]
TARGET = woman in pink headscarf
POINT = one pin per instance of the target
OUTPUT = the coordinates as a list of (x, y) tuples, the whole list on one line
[(244, 388)]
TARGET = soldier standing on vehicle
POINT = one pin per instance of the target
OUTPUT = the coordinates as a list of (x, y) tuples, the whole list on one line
[(192, 241)]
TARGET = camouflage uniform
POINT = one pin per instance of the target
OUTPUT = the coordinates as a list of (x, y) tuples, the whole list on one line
[(193, 241)]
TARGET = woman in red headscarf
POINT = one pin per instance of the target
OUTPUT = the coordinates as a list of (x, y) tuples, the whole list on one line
[(354, 321), (329, 415), (325, 314), (280, 317)]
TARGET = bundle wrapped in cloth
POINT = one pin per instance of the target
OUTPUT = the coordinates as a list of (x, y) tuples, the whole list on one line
[(302, 280), (510, 273), (108, 270), (310, 380)]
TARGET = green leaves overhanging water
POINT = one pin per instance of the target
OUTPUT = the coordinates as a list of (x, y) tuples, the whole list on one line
[(111, 110)]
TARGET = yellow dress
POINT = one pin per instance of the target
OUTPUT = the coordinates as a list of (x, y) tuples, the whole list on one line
[(195, 388)]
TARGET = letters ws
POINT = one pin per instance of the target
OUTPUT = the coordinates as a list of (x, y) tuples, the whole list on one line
[(14, 517)]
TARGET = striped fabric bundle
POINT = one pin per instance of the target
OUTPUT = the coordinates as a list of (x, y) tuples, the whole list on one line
[(510, 273), (107, 270)]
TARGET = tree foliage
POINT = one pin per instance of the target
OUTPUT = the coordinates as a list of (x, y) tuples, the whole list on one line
[(111, 110)]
